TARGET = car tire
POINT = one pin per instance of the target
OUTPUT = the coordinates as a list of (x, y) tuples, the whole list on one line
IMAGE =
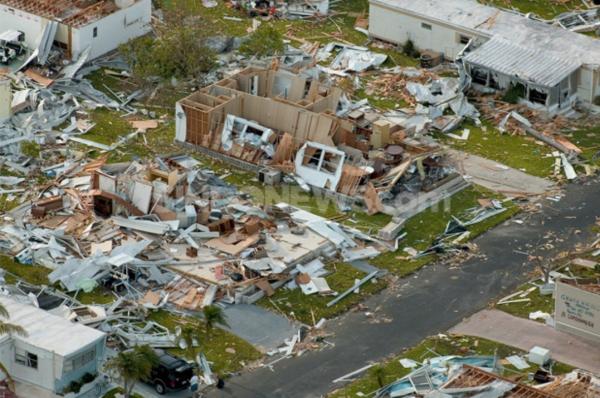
[(159, 387)]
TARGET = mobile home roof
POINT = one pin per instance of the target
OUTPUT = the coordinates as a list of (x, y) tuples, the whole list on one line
[(47, 331), (516, 28)]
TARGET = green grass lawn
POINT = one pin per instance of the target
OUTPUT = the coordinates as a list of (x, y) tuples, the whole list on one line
[(214, 345), (391, 369), (319, 204), (110, 127), (588, 140), (516, 151), (296, 305), (546, 9), (34, 274), (38, 275), (537, 303), (423, 228)]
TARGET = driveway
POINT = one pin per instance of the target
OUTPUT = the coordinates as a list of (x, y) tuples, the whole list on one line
[(525, 334), (429, 302), (260, 327)]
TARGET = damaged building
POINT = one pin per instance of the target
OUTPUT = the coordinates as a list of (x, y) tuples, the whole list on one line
[(547, 67), (281, 122), (76, 25), (54, 353)]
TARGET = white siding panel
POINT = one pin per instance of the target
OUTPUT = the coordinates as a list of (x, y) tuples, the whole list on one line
[(15, 19), (395, 27), (113, 30)]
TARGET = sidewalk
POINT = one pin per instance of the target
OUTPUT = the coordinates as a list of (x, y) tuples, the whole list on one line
[(524, 334)]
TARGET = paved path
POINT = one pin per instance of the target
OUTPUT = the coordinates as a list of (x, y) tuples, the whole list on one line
[(433, 300), (525, 334), (496, 176), (262, 328)]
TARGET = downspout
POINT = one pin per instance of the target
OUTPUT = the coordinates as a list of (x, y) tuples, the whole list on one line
[(70, 42), (594, 84)]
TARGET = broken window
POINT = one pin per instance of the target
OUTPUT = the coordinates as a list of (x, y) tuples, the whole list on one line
[(493, 82), (463, 39), (312, 157), (307, 85), (426, 26), (331, 163), (479, 76), (537, 96), (25, 358)]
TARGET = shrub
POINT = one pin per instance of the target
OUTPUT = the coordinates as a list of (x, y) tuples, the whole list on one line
[(265, 41), (410, 50), (514, 93), (74, 386), (179, 50), (87, 378)]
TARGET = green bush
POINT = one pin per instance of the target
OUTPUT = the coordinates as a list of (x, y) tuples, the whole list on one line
[(410, 50), (514, 93), (87, 378), (597, 98), (265, 41), (74, 386), (178, 51)]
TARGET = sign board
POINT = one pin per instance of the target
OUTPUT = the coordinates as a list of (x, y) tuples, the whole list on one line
[(577, 311)]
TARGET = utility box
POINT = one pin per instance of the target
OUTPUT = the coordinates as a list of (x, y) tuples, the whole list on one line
[(269, 176), (5, 99), (539, 355)]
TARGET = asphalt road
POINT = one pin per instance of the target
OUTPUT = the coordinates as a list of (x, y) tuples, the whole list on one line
[(429, 302)]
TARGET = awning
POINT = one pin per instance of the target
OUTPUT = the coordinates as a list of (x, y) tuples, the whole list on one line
[(529, 65)]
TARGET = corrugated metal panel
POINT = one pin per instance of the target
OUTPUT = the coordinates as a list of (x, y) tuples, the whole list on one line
[(527, 64), (491, 21)]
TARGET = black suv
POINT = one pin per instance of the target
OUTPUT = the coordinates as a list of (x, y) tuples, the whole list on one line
[(171, 374)]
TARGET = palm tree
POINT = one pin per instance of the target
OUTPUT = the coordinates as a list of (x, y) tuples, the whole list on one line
[(191, 336), (9, 328), (213, 315), (133, 365), (379, 373)]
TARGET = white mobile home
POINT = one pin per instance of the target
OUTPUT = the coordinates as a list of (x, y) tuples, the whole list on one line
[(55, 351), (552, 65), (101, 25)]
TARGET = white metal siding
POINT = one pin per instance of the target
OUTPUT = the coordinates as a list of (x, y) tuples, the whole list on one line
[(584, 84), (15, 19), (113, 30), (396, 27)]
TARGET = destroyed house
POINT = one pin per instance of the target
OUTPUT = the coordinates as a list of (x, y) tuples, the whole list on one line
[(548, 67), (75, 25), (274, 121), (55, 351), (241, 115)]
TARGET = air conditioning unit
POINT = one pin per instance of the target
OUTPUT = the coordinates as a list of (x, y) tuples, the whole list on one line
[(269, 176)]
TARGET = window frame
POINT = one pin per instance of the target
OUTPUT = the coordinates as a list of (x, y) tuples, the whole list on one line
[(26, 358)]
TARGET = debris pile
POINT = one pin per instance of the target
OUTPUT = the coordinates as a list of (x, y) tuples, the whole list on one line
[(358, 154), (170, 232)]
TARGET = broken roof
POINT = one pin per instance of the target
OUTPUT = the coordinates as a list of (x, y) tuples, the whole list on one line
[(474, 378), (47, 331), (490, 21), (525, 63), (75, 13)]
